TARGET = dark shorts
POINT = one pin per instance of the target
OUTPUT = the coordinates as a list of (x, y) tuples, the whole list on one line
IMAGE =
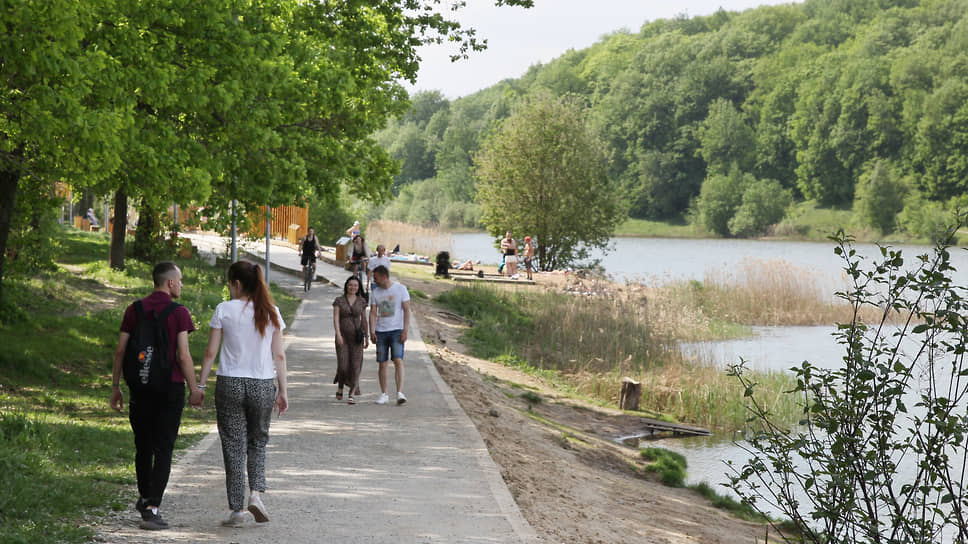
[(306, 259), (388, 345)]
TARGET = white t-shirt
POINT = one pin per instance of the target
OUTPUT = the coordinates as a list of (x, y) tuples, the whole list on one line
[(378, 261), (388, 305), (245, 353)]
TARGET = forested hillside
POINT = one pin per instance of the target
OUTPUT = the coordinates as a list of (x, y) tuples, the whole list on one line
[(728, 118)]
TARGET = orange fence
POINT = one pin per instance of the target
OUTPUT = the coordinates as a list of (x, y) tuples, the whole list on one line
[(288, 223)]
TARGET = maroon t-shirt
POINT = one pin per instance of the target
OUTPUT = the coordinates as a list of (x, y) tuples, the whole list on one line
[(178, 321)]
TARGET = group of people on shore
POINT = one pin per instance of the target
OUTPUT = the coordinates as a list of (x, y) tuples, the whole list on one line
[(509, 252), (251, 378)]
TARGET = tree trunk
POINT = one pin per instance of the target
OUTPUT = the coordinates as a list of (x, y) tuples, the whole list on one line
[(119, 229), (9, 180), (630, 395), (146, 233)]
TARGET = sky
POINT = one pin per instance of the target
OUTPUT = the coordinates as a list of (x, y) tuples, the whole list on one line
[(519, 38)]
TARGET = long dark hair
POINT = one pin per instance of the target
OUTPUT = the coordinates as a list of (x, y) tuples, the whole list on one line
[(249, 276), (359, 290)]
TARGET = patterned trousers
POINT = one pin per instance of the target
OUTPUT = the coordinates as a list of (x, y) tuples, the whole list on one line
[(244, 408)]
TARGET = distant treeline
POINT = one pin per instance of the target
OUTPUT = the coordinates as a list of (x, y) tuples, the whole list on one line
[(847, 103)]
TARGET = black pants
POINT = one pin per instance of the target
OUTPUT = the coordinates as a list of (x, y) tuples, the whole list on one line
[(155, 418)]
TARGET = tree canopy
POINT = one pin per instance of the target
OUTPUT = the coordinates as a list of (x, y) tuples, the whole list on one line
[(810, 95), (543, 172), (262, 101)]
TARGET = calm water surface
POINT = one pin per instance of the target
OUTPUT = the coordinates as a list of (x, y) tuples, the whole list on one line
[(671, 259)]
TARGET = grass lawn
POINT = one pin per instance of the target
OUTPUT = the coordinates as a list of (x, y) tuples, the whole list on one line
[(64, 454)]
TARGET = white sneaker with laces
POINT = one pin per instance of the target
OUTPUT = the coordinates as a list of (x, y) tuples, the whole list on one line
[(258, 509), (383, 398), (401, 398)]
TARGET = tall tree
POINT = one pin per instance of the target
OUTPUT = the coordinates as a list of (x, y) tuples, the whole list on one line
[(259, 101), (48, 127), (543, 172), (725, 139)]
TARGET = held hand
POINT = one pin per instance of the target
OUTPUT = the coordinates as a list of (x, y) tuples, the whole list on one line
[(197, 398), (282, 403), (117, 399)]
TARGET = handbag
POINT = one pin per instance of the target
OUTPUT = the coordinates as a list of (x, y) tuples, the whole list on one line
[(360, 335)]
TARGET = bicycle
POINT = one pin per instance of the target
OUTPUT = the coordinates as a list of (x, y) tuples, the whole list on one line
[(357, 268), (309, 274)]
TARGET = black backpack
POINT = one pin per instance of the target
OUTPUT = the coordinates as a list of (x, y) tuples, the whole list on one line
[(147, 363)]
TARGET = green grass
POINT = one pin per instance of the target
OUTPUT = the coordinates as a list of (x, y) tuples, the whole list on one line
[(659, 229), (668, 465), (64, 454), (737, 508)]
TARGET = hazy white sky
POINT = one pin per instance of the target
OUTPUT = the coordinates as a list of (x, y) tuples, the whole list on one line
[(519, 38)]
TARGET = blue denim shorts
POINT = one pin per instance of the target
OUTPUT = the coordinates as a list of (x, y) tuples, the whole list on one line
[(388, 345)]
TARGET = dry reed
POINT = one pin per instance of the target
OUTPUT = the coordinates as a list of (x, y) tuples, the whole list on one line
[(412, 238), (594, 341)]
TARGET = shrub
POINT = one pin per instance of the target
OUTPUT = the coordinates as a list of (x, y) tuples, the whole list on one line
[(880, 457), (763, 204), (924, 218), (720, 197), (879, 197)]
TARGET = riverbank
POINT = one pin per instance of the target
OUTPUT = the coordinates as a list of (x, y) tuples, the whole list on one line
[(559, 454)]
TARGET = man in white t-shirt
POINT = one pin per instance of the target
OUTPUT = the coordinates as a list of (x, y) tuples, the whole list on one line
[(381, 259), (389, 320)]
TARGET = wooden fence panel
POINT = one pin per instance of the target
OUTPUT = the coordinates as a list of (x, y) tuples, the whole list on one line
[(283, 217)]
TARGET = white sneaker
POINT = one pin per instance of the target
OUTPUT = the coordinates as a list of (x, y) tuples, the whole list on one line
[(258, 509), (383, 398), (401, 398), (236, 519)]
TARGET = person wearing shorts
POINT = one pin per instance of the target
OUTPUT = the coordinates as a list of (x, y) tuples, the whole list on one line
[(389, 321), (510, 250)]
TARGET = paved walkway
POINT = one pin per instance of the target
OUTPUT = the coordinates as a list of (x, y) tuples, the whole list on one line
[(339, 473)]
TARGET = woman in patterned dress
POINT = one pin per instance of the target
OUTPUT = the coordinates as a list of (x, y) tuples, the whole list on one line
[(349, 314)]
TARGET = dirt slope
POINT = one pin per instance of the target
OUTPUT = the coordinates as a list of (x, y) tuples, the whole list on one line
[(572, 481)]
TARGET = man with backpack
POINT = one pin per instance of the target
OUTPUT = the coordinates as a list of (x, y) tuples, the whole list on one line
[(153, 356)]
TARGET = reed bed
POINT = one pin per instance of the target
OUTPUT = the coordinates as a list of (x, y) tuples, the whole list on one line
[(592, 342), (697, 393), (757, 292), (426, 241)]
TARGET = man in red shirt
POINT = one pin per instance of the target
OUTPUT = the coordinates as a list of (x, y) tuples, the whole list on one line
[(156, 416)]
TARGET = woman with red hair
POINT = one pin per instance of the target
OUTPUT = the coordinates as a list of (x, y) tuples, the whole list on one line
[(251, 362)]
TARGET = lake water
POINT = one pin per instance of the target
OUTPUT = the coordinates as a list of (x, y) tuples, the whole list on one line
[(780, 348), (663, 258)]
